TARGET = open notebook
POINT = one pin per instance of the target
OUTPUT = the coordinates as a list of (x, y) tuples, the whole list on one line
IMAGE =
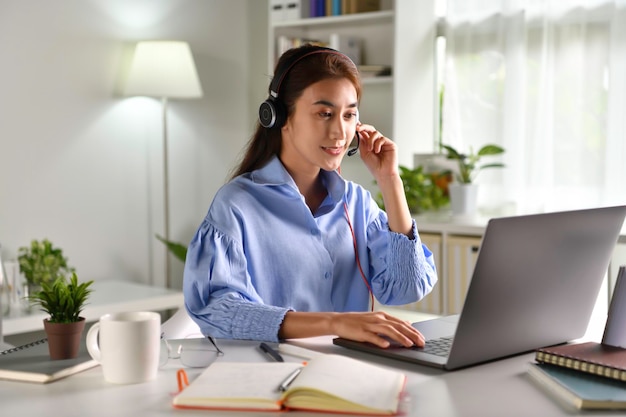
[(327, 383)]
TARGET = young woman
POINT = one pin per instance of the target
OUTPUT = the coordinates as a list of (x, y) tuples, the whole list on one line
[(290, 249)]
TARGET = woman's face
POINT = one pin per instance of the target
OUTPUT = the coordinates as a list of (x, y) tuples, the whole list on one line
[(321, 128)]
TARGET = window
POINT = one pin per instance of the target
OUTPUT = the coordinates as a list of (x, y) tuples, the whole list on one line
[(547, 81)]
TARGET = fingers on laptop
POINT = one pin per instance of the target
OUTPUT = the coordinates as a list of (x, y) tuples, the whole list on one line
[(378, 328)]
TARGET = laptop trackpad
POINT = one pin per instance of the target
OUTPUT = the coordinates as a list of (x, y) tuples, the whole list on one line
[(439, 327)]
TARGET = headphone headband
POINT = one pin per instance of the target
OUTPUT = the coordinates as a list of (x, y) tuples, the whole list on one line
[(284, 68)]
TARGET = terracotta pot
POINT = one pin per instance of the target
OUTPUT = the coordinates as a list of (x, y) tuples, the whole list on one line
[(64, 338)]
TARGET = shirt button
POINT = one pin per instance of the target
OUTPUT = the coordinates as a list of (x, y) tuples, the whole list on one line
[(314, 232), (327, 275)]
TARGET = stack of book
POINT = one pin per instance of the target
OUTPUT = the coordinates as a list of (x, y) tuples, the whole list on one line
[(589, 375), (285, 10), (320, 8)]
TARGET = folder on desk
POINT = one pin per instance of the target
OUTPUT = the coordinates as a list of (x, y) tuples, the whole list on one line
[(31, 363)]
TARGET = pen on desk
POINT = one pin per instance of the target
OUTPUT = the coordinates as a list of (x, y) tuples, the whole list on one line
[(267, 349), (285, 385)]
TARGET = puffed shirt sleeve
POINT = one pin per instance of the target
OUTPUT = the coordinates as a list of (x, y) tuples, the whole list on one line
[(233, 309), (402, 269)]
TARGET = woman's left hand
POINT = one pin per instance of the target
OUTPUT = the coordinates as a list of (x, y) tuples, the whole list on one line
[(380, 155), (378, 152)]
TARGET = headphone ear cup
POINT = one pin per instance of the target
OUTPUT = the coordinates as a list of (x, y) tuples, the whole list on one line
[(272, 113), (267, 114)]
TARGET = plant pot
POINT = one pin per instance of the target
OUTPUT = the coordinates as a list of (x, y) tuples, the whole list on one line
[(463, 198), (64, 338)]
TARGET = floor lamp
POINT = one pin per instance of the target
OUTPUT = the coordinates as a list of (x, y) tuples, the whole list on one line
[(164, 69)]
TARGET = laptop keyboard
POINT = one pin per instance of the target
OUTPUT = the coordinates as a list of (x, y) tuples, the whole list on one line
[(439, 347)]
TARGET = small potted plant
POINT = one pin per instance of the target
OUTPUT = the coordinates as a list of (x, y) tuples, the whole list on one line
[(424, 191), (40, 263), (63, 301), (463, 192), (469, 166)]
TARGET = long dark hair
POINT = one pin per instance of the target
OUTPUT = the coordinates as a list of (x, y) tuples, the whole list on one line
[(266, 142)]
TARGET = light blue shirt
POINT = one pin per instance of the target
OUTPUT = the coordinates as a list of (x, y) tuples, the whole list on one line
[(260, 252)]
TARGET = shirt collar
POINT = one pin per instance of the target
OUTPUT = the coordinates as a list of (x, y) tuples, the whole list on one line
[(274, 173)]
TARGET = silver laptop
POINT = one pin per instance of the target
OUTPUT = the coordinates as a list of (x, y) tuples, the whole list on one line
[(535, 283)]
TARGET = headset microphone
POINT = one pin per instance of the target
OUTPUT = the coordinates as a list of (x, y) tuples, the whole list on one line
[(354, 150)]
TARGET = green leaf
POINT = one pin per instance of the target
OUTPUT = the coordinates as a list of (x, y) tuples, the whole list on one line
[(494, 165), (177, 249), (490, 150)]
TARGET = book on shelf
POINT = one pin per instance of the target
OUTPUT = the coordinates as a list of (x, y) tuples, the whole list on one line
[(368, 71), (31, 363), (327, 383), (579, 390), (324, 8), (361, 6), (284, 43), (608, 358)]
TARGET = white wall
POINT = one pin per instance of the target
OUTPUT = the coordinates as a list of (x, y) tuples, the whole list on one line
[(80, 164)]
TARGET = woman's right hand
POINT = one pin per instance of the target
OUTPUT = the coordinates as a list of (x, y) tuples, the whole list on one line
[(373, 327)]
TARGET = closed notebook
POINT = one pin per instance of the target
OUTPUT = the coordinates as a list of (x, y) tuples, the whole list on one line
[(592, 357), (578, 389), (32, 363), (327, 383)]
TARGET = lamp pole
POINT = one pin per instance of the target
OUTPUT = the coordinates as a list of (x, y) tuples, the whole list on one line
[(164, 69), (166, 196)]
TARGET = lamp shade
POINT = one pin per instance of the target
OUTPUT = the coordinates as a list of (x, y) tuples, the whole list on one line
[(163, 69)]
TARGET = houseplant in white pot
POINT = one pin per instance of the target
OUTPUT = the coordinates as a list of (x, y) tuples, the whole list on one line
[(463, 191), (63, 300)]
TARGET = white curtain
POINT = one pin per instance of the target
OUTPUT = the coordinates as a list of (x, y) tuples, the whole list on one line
[(547, 81)]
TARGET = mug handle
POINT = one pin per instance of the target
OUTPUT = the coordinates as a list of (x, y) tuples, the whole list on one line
[(92, 342)]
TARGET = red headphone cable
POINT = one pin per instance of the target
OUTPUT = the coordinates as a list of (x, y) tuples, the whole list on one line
[(356, 255)]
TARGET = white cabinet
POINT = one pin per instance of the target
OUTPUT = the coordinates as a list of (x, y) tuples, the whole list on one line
[(455, 256), (461, 254)]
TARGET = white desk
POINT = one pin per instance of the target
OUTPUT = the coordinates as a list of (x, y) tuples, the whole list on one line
[(496, 389), (107, 297)]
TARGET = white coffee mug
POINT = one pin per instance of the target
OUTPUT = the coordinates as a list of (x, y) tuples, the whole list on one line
[(127, 345)]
